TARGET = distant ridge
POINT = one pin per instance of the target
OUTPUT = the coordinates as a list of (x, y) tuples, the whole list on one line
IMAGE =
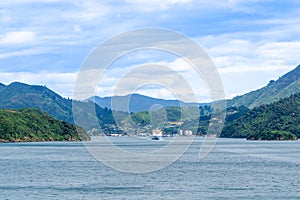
[(285, 86), (137, 102)]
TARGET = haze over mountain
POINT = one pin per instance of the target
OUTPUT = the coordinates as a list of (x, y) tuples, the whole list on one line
[(285, 86), (137, 102)]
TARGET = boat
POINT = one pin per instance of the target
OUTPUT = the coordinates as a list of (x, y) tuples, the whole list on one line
[(155, 138), (156, 134)]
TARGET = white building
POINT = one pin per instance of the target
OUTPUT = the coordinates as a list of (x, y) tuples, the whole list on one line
[(180, 132), (157, 132), (187, 133)]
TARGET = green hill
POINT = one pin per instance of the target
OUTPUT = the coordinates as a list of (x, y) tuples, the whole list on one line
[(273, 135), (24, 125), (20, 95), (283, 115), (285, 86)]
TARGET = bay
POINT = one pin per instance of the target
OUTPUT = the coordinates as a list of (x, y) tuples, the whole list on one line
[(235, 169)]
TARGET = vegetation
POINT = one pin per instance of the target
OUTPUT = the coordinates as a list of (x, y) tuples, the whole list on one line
[(168, 114), (269, 121), (90, 115), (273, 135), (141, 118), (278, 120), (24, 125), (282, 115), (248, 116), (20, 95)]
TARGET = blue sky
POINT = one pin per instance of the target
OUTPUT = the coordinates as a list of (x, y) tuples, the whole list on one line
[(250, 41)]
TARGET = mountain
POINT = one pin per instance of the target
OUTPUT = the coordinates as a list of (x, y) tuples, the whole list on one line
[(276, 121), (2, 86), (137, 102), (285, 86), (282, 115), (24, 125), (19, 95)]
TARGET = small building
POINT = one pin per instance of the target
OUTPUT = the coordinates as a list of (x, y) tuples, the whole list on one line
[(175, 123), (180, 132), (157, 132), (185, 132), (188, 133)]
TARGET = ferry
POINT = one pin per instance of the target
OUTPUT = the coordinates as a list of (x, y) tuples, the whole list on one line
[(155, 138)]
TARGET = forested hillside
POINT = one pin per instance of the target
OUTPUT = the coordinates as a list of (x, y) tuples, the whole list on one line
[(283, 115), (19, 95), (24, 125)]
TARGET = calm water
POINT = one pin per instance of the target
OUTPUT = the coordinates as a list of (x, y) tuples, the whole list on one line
[(236, 169)]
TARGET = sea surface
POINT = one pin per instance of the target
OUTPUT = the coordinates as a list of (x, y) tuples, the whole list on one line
[(235, 169)]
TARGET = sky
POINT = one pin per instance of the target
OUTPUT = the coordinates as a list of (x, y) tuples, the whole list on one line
[(251, 42)]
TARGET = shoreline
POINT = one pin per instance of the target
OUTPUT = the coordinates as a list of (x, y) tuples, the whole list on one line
[(73, 141)]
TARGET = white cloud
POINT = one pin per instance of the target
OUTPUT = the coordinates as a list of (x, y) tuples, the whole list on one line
[(248, 68), (245, 64), (9, 2), (89, 11), (242, 47), (161, 93), (77, 29), (4, 16), (233, 55), (248, 6), (18, 37), (17, 53), (154, 5), (25, 52), (179, 77)]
